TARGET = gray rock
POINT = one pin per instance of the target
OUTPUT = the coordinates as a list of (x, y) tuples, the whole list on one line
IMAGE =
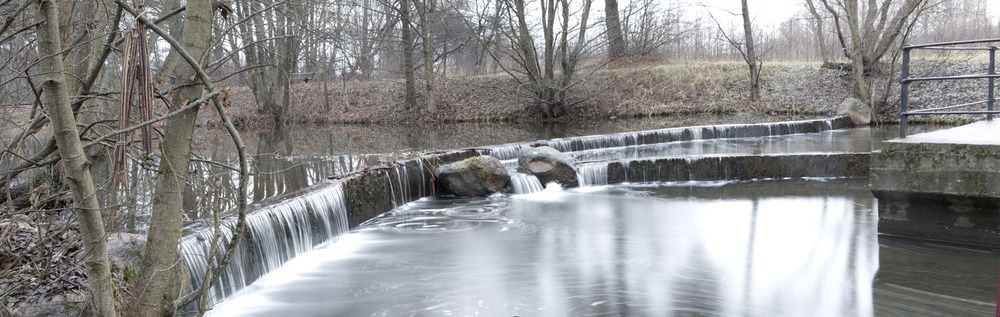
[(857, 110), (125, 249), (549, 165), (474, 176)]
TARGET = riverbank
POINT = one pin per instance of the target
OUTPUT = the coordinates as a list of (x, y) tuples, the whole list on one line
[(796, 88), (668, 89)]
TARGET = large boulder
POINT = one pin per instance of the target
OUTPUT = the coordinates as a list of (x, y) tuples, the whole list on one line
[(857, 110), (549, 165), (474, 176)]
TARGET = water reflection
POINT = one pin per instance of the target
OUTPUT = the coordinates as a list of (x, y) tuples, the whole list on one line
[(921, 278), (778, 248)]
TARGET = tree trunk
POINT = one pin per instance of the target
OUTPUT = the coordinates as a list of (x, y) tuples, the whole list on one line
[(427, 13), (74, 161), (160, 257), (751, 55), (616, 39), (857, 51), (324, 59), (410, 97), (818, 32)]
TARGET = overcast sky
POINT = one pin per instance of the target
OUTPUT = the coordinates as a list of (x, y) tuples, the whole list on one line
[(773, 12)]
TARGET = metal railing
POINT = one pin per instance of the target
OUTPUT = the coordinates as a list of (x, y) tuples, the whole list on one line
[(905, 80)]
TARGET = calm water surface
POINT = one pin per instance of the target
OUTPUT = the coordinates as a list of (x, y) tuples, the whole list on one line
[(769, 248)]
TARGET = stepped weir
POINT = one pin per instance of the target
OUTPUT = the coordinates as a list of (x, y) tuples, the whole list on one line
[(283, 227)]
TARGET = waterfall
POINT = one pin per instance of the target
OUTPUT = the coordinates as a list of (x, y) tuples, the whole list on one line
[(275, 233), (595, 174), (525, 183)]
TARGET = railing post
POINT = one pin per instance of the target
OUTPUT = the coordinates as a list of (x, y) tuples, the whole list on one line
[(904, 85), (993, 71)]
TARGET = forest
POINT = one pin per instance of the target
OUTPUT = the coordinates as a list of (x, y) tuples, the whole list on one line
[(104, 84)]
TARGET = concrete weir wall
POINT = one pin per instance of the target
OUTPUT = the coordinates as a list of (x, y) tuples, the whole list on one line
[(938, 191), (376, 190), (740, 167)]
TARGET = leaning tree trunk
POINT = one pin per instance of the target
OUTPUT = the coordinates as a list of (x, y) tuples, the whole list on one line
[(160, 257), (74, 161)]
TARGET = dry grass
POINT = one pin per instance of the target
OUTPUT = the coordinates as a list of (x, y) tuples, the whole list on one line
[(625, 89)]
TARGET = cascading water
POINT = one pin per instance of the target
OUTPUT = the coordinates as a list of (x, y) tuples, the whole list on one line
[(275, 234), (525, 183), (594, 174), (633, 139)]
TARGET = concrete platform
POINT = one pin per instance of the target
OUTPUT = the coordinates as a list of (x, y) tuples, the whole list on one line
[(941, 185), (978, 133)]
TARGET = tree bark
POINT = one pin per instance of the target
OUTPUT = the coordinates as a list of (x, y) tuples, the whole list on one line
[(74, 161), (160, 257), (857, 51), (616, 39), (751, 55), (427, 12), (409, 81), (818, 32)]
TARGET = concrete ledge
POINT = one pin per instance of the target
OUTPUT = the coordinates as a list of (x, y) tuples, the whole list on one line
[(939, 168), (740, 167), (931, 189)]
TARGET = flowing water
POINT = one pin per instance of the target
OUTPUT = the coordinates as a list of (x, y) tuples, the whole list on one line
[(284, 227), (287, 233), (763, 248)]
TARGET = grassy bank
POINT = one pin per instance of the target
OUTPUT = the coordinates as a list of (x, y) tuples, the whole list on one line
[(666, 89)]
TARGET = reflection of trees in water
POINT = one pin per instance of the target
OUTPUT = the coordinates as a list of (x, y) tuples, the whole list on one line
[(276, 169), (272, 173)]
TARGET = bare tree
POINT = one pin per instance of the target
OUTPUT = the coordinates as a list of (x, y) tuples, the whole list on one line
[(753, 62), (746, 49), (549, 90), (867, 31), (818, 31), (649, 26), (74, 161)]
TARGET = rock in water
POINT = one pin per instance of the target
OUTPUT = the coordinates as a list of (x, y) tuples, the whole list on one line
[(857, 110), (474, 176), (549, 165)]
